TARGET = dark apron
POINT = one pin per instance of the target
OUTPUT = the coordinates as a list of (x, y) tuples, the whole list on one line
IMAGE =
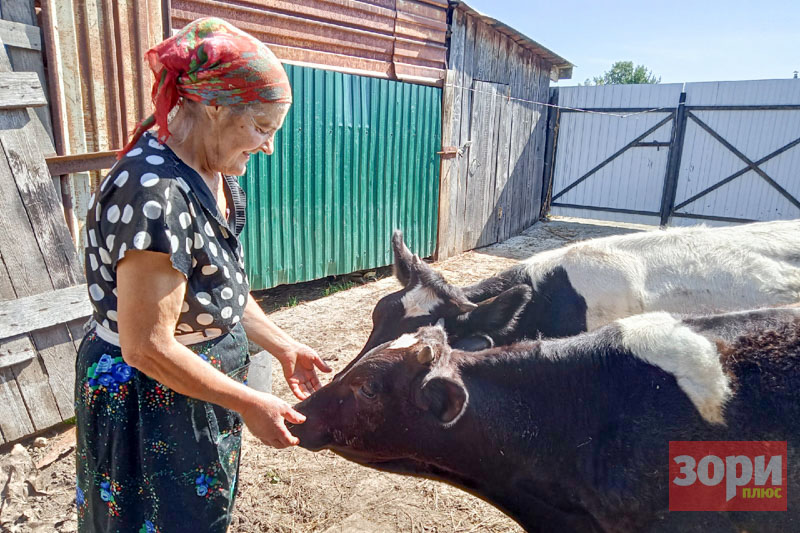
[(148, 459)]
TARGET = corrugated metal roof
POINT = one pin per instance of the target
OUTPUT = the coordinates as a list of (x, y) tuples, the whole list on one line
[(563, 68), (395, 39)]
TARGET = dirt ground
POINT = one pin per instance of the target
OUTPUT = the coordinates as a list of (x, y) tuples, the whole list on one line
[(295, 490)]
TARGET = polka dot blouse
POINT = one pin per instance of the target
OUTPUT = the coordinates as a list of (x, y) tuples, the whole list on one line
[(151, 200)]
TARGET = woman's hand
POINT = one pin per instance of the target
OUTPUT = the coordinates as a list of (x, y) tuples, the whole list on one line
[(265, 417), (298, 360), (299, 363)]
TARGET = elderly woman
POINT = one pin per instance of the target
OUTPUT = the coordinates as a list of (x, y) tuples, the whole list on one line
[(160, 393)]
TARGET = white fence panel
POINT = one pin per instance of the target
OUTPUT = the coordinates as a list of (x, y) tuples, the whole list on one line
[(620, 96), (740, 93), (612, 159)]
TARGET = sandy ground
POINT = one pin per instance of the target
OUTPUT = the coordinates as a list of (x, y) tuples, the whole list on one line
[(295, 490)]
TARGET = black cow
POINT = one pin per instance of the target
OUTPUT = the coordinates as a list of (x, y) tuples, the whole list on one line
[(572, 435), (588, 284)]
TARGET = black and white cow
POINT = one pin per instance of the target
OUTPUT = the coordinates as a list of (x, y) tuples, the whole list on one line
[(588, 284), (572, 435)]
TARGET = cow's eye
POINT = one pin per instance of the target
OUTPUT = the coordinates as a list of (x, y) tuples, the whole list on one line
[(367, 391)]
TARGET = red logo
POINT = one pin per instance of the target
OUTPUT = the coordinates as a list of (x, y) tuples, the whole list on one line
[(727, 476)]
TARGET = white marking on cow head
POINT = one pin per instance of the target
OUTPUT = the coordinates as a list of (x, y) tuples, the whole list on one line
[(406, 341), (419, 301), (665, 342)]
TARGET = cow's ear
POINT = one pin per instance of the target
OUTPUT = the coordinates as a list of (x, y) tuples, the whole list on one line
[(445, 398), (403, 259), (463, 304), (502, 311), (430, 350), (425, 355), (435, 281)]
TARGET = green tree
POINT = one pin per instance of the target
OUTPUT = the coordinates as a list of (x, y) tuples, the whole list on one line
[(625, 72)]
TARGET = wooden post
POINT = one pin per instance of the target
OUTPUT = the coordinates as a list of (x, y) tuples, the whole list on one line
[(446, 164), (553, 117), (166, 18)]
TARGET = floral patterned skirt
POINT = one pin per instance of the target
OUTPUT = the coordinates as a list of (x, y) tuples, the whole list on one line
[(148, 459)]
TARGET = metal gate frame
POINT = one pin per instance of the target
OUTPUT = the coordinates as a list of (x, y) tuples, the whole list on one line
[(680, 116), (670, 188), (635, 143)]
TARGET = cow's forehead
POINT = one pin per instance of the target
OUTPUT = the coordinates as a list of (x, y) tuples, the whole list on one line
[(379, 353), (405, 341)]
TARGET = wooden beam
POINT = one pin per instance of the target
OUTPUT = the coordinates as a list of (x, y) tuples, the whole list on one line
[(70, 164), (57, 357), (458, 219), (21, 89), (20, 35), (43, 209), (37, 393), (11, 359), (166, 19), (5, 62), (549, 153), (43, 310)]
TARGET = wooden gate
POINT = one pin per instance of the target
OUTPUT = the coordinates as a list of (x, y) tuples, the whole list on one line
[(656, 154)]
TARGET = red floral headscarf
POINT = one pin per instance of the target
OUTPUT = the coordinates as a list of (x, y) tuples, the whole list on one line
[(211, 62)]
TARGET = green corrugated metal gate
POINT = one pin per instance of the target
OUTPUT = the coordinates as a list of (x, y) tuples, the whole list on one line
[(355, 159)]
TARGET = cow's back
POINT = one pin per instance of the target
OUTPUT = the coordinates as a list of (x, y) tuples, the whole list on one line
[(680, 270)]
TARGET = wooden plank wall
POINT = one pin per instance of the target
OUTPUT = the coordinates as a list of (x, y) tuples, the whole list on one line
[(36, 256), (25, 55), (100, 88), (492, 189)]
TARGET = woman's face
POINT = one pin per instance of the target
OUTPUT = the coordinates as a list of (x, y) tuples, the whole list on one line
[(241, 134)]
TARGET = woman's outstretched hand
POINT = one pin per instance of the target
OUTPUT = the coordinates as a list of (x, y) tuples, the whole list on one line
[(299, 364)]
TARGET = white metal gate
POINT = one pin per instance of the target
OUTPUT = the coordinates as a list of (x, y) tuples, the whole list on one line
[(740, 159), (657, 154)]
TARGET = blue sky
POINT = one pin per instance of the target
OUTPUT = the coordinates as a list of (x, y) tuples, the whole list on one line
[(679, 40)]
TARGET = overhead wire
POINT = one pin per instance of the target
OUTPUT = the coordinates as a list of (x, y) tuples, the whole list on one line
[(568, 108)]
